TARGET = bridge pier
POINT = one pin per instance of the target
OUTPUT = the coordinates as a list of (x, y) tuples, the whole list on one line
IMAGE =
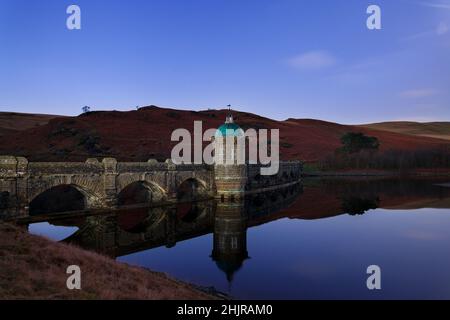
[(13, 186), (110, 182)]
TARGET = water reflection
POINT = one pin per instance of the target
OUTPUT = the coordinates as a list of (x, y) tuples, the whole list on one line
[(123, 232), (230, 238), (57, 233), (135, 234)]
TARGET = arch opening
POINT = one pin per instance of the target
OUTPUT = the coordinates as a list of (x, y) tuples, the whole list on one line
[(191, 190), (139, 220), (140, 192), (189, 212), (62, 198)]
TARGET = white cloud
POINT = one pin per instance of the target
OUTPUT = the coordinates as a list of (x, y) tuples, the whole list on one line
[(418, 93), (438, 5), (312, 60)]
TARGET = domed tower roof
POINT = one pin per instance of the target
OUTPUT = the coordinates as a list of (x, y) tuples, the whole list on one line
[(229, 128)]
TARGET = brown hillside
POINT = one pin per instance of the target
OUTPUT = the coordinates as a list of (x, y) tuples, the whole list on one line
[(145, 133), (32, 267), (12, 122), (439, 130)]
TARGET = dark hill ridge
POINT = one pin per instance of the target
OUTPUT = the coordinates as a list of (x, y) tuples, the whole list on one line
[(145, 133)]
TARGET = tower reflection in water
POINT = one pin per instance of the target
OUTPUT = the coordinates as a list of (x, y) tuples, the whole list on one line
[(230, 237), (123, 232)]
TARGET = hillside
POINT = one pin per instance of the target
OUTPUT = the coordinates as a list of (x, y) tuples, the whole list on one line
[(12, 122), (439, 130), (32, 267), (145, 133)]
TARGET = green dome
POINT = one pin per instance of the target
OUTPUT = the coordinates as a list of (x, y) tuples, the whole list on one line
[(229, 129)]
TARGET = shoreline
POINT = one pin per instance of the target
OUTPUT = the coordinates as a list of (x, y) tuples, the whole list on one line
[(33, 267)]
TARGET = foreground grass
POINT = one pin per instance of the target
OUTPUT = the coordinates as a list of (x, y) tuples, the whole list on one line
[(33, 267)]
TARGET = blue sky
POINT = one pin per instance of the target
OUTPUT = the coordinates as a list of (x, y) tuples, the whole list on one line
[(277, 58)]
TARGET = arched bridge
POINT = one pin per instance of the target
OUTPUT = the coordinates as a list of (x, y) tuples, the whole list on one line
[(93, 184), (29, 188)]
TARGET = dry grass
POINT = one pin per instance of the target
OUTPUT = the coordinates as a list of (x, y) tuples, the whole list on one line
[(22, 121), (437, 130), (32, 267), (146, 134)]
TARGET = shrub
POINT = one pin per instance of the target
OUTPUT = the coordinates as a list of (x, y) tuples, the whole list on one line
[(354, 142)]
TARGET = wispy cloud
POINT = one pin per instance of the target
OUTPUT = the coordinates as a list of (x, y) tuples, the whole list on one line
[(437, 4), (312, 60), (441, 29), (362, 71), (418, 93)]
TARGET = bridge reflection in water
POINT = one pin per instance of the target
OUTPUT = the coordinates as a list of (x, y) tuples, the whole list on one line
[(125, 231)]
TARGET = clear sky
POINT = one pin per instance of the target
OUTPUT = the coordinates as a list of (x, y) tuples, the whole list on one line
[(276, 58)]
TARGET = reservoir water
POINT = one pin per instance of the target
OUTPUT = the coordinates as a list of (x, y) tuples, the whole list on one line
[(310, 241)]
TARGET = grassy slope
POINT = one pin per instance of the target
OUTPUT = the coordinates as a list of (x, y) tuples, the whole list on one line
[(140, 135), (32, 267), (12, 122), (23, 121), (439, 130)]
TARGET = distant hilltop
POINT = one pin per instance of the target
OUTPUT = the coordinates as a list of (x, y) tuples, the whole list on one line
[(145, 133)]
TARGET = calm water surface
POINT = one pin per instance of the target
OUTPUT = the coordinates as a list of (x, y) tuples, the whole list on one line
[(314, 241)]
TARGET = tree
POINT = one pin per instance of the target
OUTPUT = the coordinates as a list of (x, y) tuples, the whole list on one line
[(354, 142), (86, 109)]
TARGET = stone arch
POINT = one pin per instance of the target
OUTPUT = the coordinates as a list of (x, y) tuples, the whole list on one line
[(140, 192), (190, 212), (191, 189), (140, 220), (61, 198), (89, 186)]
